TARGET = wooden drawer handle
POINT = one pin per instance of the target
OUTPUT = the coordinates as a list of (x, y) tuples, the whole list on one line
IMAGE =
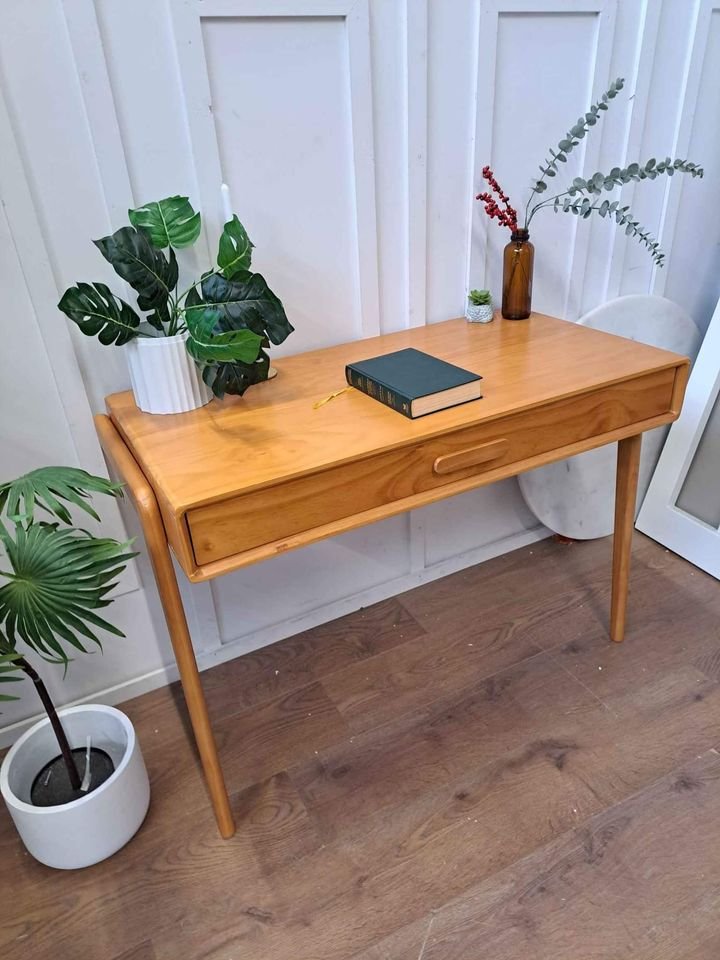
[(471, 457)]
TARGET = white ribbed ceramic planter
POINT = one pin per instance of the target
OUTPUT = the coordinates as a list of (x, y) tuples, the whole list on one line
[(87, 830), (479, 313), (164, 376)]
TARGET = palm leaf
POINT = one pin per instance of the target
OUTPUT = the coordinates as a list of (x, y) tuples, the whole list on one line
[(10, 669), (47, 487), (58, 579)]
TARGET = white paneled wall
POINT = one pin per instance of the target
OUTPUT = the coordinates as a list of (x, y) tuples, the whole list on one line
[(352, 134)]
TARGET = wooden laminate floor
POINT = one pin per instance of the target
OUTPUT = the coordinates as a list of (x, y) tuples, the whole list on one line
[(470, 770)]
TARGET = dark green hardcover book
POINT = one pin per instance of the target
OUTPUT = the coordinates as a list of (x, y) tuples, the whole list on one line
[(413, 382)]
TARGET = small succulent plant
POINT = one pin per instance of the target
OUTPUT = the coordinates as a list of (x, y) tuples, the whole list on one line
[(480, 298)]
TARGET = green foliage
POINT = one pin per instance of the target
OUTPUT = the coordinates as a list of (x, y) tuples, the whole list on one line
[(230, 314), (480, 298), (575, 134), (99, 313), (235, 378), (224, 309), (576, 198), (46, 487), (633, 173), (57, 577), (148, 271), (623, 218), (207, 345), (248, 302), (9, 670), (168, 223), (235, 249)]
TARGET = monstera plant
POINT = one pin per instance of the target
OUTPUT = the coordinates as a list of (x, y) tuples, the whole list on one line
[(229, 314)]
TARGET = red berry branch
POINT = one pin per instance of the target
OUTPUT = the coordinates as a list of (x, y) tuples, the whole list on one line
[(508, 216)]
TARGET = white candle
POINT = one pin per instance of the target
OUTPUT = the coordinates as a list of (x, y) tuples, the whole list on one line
[(226, 202)]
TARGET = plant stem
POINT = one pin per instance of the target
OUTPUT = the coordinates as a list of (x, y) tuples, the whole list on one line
[(54, 721), (186, 292), (543, 203), (534, 191)]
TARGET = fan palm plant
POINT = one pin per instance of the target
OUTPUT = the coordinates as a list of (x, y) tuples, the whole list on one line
[(58, 576)]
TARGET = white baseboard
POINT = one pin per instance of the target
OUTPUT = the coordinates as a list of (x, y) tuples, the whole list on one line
[(287, 628)]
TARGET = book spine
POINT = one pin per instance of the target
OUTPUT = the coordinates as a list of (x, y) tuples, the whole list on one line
[(378, 391)]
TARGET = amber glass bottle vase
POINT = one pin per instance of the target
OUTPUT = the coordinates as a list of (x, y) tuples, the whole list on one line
[(518, 258)]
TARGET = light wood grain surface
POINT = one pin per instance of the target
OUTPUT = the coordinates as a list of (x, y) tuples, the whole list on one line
[(449, 768), (242, 480), (274, 433)]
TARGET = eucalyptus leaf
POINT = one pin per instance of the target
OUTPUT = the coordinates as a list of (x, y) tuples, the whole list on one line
[(234, 250), (168, 222), (99, 313), (148, 271)]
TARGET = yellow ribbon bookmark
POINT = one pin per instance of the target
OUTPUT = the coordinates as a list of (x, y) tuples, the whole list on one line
[(321, 403)]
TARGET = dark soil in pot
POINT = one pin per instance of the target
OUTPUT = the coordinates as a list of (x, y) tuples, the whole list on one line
[(52, 787)]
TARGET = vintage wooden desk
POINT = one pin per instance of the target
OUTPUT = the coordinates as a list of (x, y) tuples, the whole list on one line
[(240, 481)]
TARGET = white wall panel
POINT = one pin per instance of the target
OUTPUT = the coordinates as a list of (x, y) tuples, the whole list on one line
[(288, 587), (352, 134), (692, 276), (485, 516), (524, 110), (452, 76), (281, 107)]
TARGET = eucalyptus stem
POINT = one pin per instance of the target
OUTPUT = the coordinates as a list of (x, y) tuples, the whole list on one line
[(544, 203)]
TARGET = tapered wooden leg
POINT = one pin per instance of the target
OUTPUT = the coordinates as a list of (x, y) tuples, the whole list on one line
[(151, 520), (628, 463)]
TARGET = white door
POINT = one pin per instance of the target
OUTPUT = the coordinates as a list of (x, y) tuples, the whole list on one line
[(682, 506)]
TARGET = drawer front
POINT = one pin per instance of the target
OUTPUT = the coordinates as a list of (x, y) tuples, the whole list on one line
[(272, 513)]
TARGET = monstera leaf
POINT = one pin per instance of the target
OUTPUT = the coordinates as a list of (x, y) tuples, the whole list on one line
[(148, 271), (47, 486), (160, 316), (171, 222), (58, 578), (205, 343), (98, 312), (235, 249), (248, 302), (235, 378)]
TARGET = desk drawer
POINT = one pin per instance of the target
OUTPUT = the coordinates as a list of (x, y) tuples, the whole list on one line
[(272, 513)]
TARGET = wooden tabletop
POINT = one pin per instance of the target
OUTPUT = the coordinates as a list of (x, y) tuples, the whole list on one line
[(275, 433)]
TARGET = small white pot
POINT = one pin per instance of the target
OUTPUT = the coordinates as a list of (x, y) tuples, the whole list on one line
[(164, 376), (87, 830), (479, 313)]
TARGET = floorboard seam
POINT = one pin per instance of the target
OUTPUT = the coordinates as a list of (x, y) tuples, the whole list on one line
[(462, 692)]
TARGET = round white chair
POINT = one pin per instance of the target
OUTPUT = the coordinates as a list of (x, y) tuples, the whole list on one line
[(576, 497)]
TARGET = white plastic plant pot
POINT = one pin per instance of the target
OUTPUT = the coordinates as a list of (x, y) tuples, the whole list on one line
[(92, 828), (164, 377), (479, 313)]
